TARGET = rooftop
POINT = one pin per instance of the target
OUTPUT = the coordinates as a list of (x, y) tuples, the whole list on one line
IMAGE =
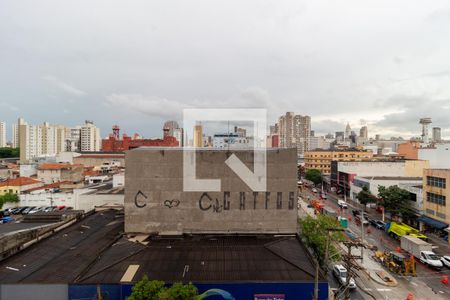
[(95, 251), (50, 166), (397, 178), (19, 181)]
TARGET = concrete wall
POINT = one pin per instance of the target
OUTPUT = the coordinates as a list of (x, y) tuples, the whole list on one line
[(439, 157), (368, 168), (155, 201)]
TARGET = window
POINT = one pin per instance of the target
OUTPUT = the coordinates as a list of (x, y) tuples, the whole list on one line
[(430, 211), (436, 181), (440, 215), (435, 198)]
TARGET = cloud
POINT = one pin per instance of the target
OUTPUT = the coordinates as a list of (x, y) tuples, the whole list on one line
[(64, 86), (155, 106), (9, 106)]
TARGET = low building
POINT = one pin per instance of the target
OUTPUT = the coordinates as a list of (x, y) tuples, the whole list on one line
[(343, 173), (17, 185), (436, 192), (411, 184), (230, 141), (97, 159), (321, 159), (50, 173)]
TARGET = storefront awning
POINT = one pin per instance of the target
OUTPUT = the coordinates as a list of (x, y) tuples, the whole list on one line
[(432, 222)]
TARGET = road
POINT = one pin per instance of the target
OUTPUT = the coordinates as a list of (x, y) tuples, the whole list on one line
[(427, 278)]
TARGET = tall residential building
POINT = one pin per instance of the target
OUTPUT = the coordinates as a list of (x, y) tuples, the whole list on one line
[(90, 139), (39, 140), (294, 132), (73, 139), (436, 134), (2, 134), (15, 132), (364, 133), (171, 128), (198, 136)]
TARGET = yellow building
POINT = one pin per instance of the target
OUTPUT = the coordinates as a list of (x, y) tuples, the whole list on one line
[(321, 159), (15, 186), (436, 192), (198, 136)]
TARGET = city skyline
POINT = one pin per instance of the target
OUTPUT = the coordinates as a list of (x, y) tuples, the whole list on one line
[(77, 65)]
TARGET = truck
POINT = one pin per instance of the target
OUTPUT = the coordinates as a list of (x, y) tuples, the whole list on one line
[(420, 250), (398, 230)]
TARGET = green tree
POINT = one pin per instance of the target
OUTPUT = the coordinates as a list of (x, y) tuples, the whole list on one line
[(9, 152), (396, 201), (146, 289), (314, 175), (9, 197), (365, 196), (315, 232)]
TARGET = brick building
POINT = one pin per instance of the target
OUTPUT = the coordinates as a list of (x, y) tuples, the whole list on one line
[(116, 144)]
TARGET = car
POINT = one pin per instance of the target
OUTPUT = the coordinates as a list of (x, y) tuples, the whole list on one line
[(22, 209), (27, 210), (355, 212), (323, 196), (48, 209), (446, 260), (341, 274), (36, 209), (431, 259), (380, 224), (342, 204), (364, 221), (314, 190)]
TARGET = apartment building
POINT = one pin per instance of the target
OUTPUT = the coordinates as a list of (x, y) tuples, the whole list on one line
[(295, 132), (2, 134), (436, 193), (90, 139), (321, 159)]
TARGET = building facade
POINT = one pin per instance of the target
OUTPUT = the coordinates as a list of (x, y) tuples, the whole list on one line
[(90, 140), (436, 193), (295, 132), (2, 134), (321, 159)]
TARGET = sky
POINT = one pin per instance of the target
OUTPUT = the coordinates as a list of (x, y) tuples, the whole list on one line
[(379, 63)]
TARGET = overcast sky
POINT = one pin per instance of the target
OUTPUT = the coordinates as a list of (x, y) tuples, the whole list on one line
[(137, 63)]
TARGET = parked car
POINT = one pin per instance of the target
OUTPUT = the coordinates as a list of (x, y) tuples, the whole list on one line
[(36, 209), (323, 196), (49, 209), (22, 209), (355, 212), (446, 260), (364, 221), (27, 210), (380, 224), (340, 272), (6, 219), (342, 204), (431, 259), (314, 190)]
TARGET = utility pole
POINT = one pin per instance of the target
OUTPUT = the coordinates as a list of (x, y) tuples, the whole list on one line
[(362, 234), (351, 265)]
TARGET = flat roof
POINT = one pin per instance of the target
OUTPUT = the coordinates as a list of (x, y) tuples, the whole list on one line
[(94, 251), (400, 178)]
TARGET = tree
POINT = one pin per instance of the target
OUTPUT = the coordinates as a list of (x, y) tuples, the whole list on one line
[(146, 289), (9, 152), (315, 233), (396, 201), (314, 175), (365, 196), (9, 197)]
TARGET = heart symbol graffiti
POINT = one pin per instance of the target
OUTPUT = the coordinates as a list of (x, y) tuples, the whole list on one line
[(172, 203)]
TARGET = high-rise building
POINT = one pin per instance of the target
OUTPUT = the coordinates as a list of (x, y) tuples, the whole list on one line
[(39, 140), (364, 133), (171, 128), (437, 134), (2, 134), (73, 139), (15, 132), (90, 139), (295, 132), (348, 131), (198, 136)]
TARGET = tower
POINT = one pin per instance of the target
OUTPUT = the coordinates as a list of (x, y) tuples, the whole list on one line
[(425, 125), (116, 132)]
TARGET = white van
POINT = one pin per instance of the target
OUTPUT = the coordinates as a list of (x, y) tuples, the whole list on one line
[(342, 204)]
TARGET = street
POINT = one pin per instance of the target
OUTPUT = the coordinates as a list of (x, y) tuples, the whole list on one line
[(427, 284)]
